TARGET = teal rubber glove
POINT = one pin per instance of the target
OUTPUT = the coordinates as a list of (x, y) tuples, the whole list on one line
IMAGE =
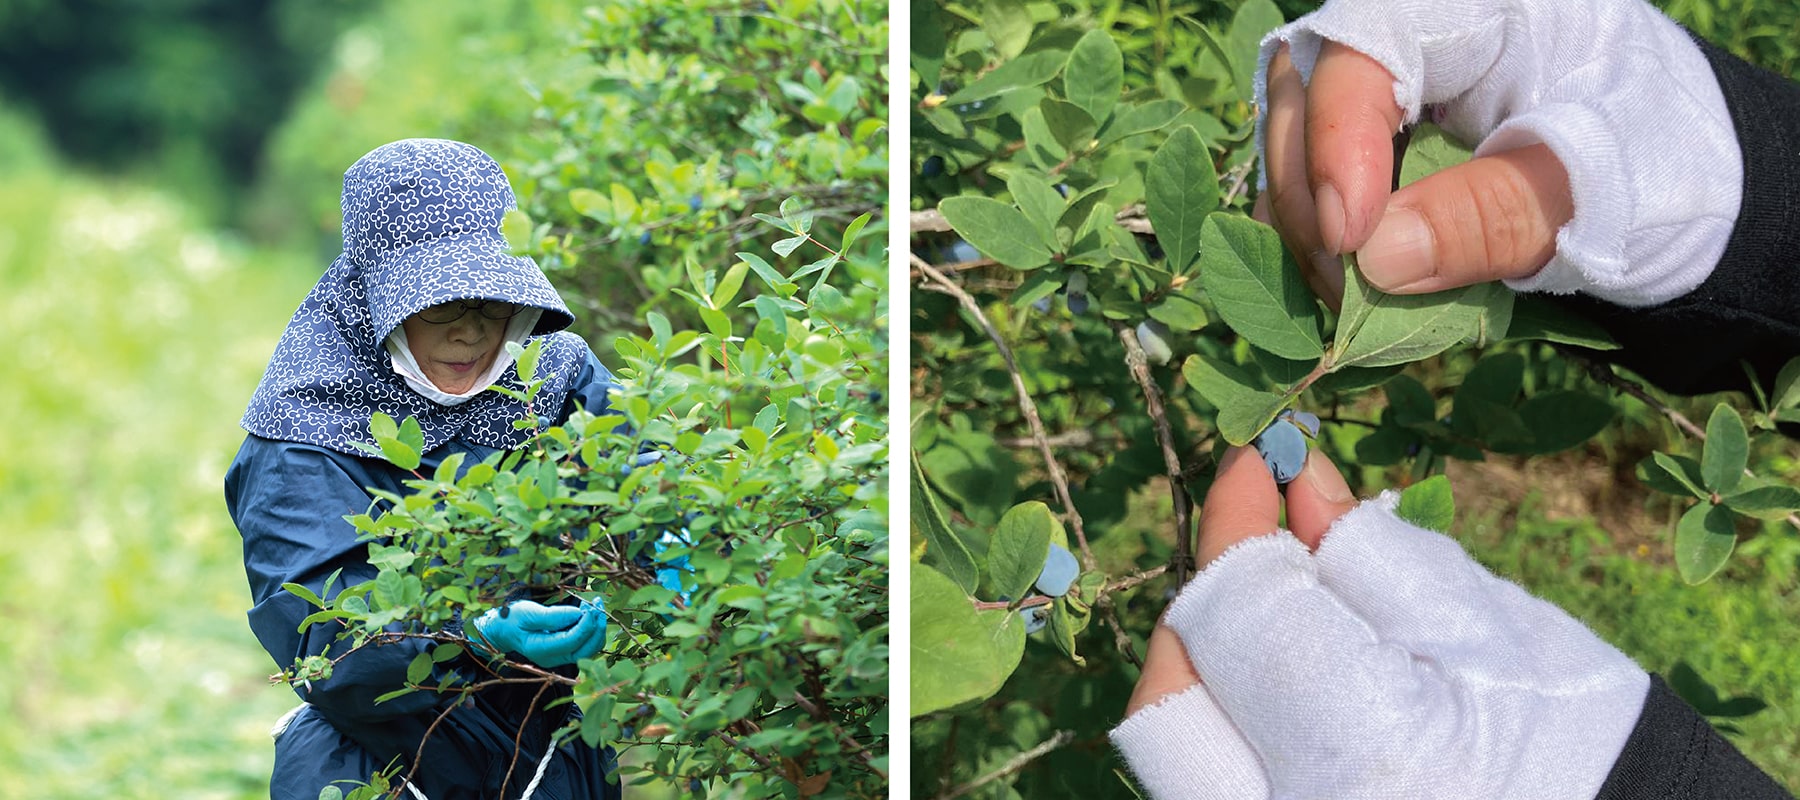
[(669, 574), (548, 636)]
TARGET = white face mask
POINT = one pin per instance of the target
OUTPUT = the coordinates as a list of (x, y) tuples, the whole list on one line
[(408, 368)]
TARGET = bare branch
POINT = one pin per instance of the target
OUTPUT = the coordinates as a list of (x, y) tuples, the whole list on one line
[(1139, 365), (943, 285), (1017, 763)]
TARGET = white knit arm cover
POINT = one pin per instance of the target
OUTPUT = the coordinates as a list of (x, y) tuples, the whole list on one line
[(1619, 92), (1388, 665)]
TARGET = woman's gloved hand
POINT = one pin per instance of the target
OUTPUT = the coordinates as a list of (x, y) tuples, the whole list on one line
[(1360, 656), (548, 636), (1606, 159)]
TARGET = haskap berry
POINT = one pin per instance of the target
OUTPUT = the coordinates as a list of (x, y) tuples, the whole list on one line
[(1283, 449), (1036, 617), (1059, 572)]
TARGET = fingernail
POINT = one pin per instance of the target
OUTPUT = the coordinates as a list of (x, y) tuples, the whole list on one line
[(1399, 253), (1325, 480), (1330, 270), (1330, 208)]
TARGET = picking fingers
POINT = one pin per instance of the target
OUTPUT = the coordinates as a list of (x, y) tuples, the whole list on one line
[(1491, 218)]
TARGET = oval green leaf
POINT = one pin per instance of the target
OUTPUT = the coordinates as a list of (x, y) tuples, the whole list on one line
[(1180, 190), (959, 655), (1095, 74), (998, 230), (1727, 450), (1703, 541), (1257, 288), (1020, 546)]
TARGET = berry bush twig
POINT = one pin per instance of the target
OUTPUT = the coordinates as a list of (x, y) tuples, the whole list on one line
[(938, 282), (1017, 763)]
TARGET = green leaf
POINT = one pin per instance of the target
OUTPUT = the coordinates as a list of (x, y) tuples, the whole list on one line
[(928, 42), (1180, 191), (1095, 75), (1020, 546), (1787, 386), (1256, 287), (1132, 120), (516, 227), (1703, 541), (786, 247), (1428, 504), (1064, 624), (1430, 151), (1281, 371), (1727, 450), (1039, 202), (1180, 312), (1411, 402), (1245, 416), (1221, 384), (303, 593), (1040, 143), (1765, 502), (382, 426), (959, 655), (1539, 318), (420, 668), (1561, 419), (1672, 475), (447, 469), (1008, 25), (1254, 19), (943, 548), (1379, 329), (730, 284), (402, 450), (526, 359), (1068, 124), (998, 230), (590, 204), (1029, 70), (851, 231), (445, 652)]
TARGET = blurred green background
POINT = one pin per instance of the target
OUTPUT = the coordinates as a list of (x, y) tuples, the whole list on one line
[(169, 180)]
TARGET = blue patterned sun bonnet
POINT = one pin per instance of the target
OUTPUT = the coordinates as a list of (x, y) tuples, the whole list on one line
[(421, 227)]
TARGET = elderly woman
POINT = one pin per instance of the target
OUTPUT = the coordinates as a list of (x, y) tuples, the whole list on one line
[(411, 319)]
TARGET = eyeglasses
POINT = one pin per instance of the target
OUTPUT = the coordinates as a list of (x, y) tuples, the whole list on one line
[(446, 313)]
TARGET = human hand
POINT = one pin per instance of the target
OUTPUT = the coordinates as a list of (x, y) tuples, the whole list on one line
[(549, 636), (1361, 656), (1575, 106)]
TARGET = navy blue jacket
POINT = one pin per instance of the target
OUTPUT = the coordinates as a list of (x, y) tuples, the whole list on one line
[(289, 501)]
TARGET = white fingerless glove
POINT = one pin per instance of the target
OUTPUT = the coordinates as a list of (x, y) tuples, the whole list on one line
[(1619, 92), (1387, 665)]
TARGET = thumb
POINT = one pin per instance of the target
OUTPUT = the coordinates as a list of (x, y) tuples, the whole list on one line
[(1491, 218)]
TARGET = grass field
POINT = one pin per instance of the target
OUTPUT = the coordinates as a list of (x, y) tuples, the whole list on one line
[(126, 667)]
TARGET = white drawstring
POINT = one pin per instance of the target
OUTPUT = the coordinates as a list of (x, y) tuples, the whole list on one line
[(281, 726)]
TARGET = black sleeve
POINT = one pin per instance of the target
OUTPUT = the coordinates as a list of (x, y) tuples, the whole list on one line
[(1749, 308), (1674, 754)]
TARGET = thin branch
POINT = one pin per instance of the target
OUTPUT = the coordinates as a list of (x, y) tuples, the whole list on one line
[(1131, 581), (944, 285), (1604, 374), (1077, 439), (1017, 763), (1139, 365), (1132, 218)]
